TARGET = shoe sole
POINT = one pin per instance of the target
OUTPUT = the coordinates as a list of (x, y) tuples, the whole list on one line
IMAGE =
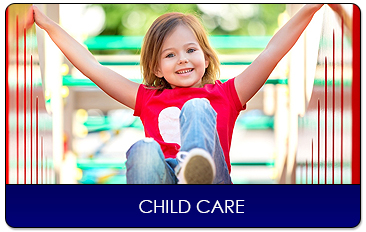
[(199, 169)]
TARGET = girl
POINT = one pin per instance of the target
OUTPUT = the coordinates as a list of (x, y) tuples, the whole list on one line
[(188, 115)]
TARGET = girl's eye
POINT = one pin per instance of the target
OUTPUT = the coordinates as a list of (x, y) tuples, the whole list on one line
[(191, 50), (169, 55)]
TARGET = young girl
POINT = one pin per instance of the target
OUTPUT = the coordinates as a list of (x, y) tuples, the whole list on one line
[(188, 115)]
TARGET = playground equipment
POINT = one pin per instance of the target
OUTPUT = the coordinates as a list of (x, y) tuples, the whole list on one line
[(329, 146), (29, 155), (321, 146)]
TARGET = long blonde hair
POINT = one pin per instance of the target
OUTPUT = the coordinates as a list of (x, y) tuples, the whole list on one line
[(153, 41)]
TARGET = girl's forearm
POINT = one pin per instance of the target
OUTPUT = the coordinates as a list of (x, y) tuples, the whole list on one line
[(287, 36)]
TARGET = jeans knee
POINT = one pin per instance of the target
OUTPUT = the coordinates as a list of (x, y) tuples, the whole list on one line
[(198, 106), (146, 163), (197, 102), (146, 149)]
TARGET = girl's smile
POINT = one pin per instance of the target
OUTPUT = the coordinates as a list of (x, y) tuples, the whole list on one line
[(182, 62), (185, 71)]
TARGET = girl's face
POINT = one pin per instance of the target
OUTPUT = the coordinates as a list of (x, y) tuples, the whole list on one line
[(182, 61)]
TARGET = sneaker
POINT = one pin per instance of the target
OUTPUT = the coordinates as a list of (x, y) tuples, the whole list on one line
[(196, 167)]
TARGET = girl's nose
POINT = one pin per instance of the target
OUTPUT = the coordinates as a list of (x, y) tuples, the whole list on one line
[(183, 61)]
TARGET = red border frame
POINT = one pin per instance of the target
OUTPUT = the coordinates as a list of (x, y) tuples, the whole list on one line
[(356, 96)]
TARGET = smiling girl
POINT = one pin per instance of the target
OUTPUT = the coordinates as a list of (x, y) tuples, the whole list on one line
[(187, 113)]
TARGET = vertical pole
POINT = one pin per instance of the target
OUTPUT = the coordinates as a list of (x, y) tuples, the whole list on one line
[(356, 95)]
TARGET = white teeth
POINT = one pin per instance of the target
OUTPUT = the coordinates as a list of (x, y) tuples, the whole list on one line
[(185, 71)]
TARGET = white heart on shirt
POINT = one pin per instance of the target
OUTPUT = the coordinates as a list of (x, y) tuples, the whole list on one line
[(169, 127)]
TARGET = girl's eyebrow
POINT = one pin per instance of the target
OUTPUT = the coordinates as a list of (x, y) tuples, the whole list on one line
[(185, 45)]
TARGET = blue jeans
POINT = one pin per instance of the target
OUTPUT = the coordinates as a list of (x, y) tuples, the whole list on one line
[(145, 160)]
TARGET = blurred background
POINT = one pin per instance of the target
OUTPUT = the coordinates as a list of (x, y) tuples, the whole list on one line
[(91, 132)]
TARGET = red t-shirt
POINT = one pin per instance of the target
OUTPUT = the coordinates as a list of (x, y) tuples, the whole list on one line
[(159, 112)]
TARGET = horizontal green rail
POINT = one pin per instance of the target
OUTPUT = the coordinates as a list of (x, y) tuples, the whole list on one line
[(105, 163), (113, 42), (99, 163), (103, 123), (135, 63), (69, 80), (268, 163), (320, 81)]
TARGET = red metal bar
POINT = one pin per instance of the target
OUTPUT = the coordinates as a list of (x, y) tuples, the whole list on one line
[(318, 141), (41, 159), (333, 103), (356, 97), (25, 109), (37, 138), (312, 161), (31, 116), (342, 28), (17, 66), (326, 116), (7, 109)]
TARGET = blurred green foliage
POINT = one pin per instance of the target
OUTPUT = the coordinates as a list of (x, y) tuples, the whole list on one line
[(218, 19)]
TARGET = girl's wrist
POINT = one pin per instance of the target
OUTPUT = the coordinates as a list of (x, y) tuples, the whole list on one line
[(49, 25)]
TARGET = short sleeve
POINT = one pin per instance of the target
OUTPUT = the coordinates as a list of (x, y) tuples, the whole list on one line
[(139, 100), (229, 88)]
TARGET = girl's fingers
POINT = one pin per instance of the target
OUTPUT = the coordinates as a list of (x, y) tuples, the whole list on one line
[(30, 18), (38, 16)]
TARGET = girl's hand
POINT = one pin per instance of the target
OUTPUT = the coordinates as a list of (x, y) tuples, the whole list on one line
[(40, 19), (29, 20)]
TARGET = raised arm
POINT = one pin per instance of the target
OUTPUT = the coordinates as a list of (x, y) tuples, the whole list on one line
[(253, 78), (115, 85)]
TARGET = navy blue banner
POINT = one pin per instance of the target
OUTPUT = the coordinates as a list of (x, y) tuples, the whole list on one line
[(183, 205)]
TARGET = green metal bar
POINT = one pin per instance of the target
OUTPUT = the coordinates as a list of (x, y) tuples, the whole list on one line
[(99, 163), (319, 81), (132, 63), (239, 42), (105, 42), (111, 42), (107, 163), (68, 80), (268, 163)]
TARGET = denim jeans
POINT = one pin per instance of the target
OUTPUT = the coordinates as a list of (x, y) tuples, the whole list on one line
[(145, 160)]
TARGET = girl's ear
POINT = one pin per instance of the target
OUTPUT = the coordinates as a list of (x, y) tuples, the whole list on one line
[(158, 73), (207, 62)]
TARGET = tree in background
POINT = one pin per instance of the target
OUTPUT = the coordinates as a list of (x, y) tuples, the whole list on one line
[(219, 19)]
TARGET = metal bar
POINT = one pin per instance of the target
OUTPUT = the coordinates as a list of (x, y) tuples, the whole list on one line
[(31, 116), (312, 162), (25, 110), (37, 125), (333, 107), (7, 109), (342, 97), (69, 80), (134, 42), (136, 63), (356, 96), (318, 140), (17, 66), (326, 116), (105, 163)]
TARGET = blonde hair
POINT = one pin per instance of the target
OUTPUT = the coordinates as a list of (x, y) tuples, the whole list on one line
[(153, 41)]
